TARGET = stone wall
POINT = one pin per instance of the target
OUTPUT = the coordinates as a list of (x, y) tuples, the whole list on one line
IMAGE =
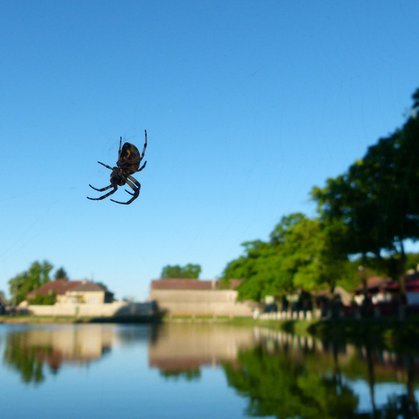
[(172, 302), (201, 302), (117, 308)]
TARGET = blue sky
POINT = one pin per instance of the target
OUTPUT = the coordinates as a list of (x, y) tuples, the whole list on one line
[(248, 105)]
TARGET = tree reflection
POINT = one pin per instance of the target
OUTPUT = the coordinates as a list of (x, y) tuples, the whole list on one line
[(282, 386), (188, 375), (283, 378), (25, 359)]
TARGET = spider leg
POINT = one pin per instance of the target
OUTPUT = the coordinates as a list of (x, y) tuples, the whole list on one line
[(103, 164), (142, 167), (103, 196), (101, 189), (145, 144), (120, 147), (135, 186), (143, 152)]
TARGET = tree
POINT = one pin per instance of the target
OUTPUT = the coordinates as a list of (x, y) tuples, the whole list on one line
[(61, 273), (43, 300), (308, 252), (376, 200), (301, 253), (258, 267), (189, 271), (27, 281)]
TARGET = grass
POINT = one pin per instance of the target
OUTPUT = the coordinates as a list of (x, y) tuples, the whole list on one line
[(26, 319)]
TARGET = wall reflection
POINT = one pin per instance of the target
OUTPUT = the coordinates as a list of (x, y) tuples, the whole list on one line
[(186, 347)]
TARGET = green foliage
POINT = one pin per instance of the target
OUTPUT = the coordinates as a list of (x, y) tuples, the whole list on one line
[(412, 261), (49, 299), (299, 254), (189, 271), (308, 256), (33, 278), (61, 273), (258, 267)]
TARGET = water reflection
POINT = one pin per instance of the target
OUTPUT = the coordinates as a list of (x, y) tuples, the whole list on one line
[(289, 376), (283, 375), (30, 351), (188, 347), (36, 351), (278, 374)]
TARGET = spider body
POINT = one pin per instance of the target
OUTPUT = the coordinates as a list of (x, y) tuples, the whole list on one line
[(129, 162)]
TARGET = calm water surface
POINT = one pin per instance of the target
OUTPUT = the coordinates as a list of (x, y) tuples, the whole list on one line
[(197, 371)]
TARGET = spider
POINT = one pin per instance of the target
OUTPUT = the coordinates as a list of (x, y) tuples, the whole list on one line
[(129, 159)]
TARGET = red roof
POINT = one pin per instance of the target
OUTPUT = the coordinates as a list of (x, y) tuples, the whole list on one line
[(377, 282), (182, 284), (58, 287), (191, 284), (85, 286)]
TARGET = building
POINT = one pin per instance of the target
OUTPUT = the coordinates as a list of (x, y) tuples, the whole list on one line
[(193, 297), (85, 299), (380, 290), (89, 293), (82, 291), (386, 290)]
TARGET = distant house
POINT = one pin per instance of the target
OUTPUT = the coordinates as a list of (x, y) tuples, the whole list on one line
[(90, 293), (198, 297), (380, 290), (385, 289), (81, 291)]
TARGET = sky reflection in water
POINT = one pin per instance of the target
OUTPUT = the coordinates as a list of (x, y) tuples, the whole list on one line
[(196, 370)]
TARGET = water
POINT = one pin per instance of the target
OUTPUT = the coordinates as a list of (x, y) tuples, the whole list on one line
[(196, 371)]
